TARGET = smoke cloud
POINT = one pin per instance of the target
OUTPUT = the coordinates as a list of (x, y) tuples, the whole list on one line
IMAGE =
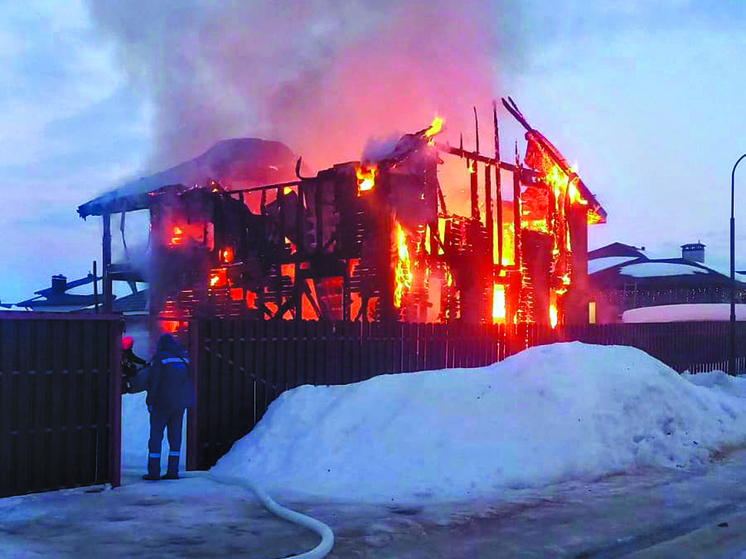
[(323, 76)]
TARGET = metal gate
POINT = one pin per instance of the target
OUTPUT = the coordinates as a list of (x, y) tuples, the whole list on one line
[(60, 401)]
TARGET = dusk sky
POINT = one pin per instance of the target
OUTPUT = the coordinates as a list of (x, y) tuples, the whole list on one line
[(649, 98)]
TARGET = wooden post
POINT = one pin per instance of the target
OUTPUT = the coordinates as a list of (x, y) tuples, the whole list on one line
[(488, 219), (300, 253), (108, 299), (95, 288), (475, 214), (498, 190), (517, 210)]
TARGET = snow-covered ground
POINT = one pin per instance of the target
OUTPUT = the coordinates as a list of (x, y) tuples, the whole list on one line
[(503, 461), (547, 415), (135, 434)]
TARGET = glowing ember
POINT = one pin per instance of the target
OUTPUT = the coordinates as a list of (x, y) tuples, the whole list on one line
[(366, 178), (498, 303), (403, 275), (227, 255), (170, 326), (250, 300), (237, 294), (177, 236), (218, 278)]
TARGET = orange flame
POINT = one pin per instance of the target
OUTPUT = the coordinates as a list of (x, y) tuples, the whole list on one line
[(403, 276), (218, 278), (553, 316), (227, 255), (508, 256), (436, 127), (170, 326), (237, 294), (366, 178), (177, 236), (498, 303), (250, 299)]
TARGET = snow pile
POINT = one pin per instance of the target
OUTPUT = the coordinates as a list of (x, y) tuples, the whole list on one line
[(548, 414), (734, 386)]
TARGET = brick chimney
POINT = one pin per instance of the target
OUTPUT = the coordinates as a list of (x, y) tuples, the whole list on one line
[(694, 252), (59, 283)]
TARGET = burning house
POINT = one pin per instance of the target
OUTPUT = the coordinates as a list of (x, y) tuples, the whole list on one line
[(370, 240)]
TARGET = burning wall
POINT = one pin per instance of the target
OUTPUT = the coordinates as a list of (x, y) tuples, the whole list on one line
[(374, 240)]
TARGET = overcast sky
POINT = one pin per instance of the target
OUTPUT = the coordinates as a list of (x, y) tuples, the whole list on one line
[(649, 101)]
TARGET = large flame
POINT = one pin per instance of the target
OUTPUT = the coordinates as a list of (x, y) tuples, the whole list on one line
[(436, 127), (553, 315), (508, 255), (498, 303), (403, 270), (366, 178)]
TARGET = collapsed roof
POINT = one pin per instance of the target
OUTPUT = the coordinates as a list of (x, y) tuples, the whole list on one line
[(240, 162)]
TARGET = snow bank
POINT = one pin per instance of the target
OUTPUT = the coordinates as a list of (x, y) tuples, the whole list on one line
[(549, 414)]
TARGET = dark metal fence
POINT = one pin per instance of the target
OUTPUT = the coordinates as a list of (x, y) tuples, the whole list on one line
[(60, 401), (243, 366)]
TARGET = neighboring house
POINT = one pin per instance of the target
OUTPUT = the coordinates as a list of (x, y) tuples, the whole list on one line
[(624, 277), (58, 298)]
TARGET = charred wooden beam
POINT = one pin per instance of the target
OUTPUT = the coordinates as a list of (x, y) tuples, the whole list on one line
[(106, 262), (474, 183), (517, 210), (498, 190), (299, 251), (488, 219), (476, 127), (473, 156), (266, 187), (532, 133)]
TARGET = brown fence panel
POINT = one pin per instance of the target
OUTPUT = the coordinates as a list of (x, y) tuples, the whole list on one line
[(244, 367), (60, 401)]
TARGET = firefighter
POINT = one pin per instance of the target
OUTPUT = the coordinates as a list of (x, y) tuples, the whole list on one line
[(170, 392), (130, 363)]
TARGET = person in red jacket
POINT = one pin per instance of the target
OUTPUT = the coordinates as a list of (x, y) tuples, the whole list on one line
[(131, 365), (170, 392)]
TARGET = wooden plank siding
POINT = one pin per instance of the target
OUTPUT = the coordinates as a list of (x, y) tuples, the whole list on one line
[(243, 366), (60, 398)]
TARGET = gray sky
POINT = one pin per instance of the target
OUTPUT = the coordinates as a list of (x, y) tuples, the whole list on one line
[(646, 97)]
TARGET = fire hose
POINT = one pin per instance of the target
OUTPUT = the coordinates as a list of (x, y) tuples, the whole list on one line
[(327, 536)]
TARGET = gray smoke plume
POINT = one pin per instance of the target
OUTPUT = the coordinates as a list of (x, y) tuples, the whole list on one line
[(323, 76)]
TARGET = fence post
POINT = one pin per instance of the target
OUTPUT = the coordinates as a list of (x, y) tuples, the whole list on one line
[(115, 404)]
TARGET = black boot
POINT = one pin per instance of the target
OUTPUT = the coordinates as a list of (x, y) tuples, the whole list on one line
[(173, 466), (154, 468)]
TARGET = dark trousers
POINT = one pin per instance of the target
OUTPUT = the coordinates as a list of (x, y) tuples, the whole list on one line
[(170, 420)]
